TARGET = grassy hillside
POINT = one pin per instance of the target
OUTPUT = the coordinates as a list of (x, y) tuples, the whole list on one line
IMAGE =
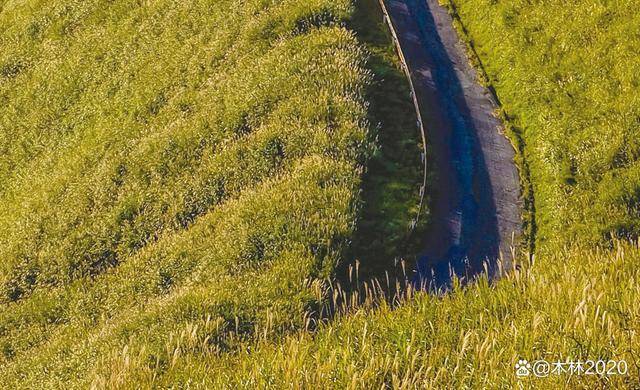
[(164, 162), (168, 164), (178, 180), (568, 75), (126, 122), (576, 304)]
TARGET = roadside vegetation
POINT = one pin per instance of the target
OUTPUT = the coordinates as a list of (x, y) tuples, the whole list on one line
[(181, 180), (567, 75), (390, 193)]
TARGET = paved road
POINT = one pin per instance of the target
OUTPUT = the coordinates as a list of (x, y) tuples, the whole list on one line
[(475, 207)]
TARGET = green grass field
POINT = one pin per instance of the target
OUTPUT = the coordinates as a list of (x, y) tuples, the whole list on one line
[(180, 182), (198, 163), (568, 77), (576, 304)]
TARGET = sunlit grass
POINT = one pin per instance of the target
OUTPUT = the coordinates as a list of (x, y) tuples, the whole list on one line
[(577, 304), (568, 79), (181, 179), (164, 163)]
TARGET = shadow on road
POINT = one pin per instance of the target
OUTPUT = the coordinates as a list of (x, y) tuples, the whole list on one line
[(463, 231)]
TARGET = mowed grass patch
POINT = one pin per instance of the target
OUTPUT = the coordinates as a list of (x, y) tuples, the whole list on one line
[(391, 184)]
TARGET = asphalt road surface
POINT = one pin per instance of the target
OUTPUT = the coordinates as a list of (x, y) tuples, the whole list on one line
[(475, 195)]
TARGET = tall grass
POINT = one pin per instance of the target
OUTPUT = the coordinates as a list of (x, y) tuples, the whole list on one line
[(568, 78), (196, 158), (575, 305), (179, 180), (197, 163)]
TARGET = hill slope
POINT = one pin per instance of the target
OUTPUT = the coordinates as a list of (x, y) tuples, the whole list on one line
[(166, 162), (177, 179), (568, 79)]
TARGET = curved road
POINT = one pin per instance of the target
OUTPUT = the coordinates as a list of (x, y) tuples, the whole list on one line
[(475, 205)]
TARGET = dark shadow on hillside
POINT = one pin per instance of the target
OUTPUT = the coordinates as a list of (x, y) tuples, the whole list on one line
[(391, 185)]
